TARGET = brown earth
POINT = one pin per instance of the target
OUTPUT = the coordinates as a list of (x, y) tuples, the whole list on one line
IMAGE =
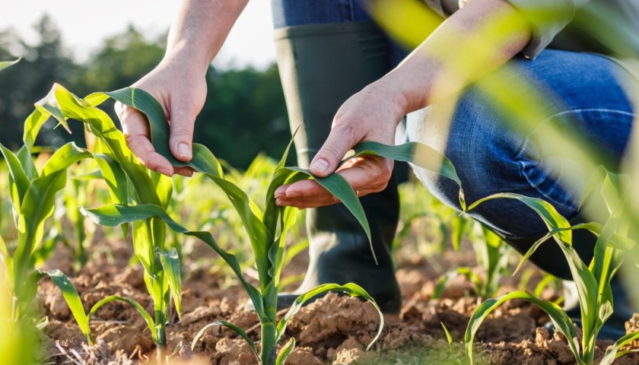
[(334, 329)]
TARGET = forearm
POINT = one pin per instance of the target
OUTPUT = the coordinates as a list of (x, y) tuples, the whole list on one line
[(199, 30), (474, 41)]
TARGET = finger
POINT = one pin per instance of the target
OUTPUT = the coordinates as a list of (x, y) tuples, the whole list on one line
[(339, 141), (330, 200), (184, 171), (365, 174), (136, 132), (146, 154), (368, 174), (181, 139)]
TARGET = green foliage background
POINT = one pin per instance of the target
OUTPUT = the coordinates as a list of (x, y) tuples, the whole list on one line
[(243, 105)]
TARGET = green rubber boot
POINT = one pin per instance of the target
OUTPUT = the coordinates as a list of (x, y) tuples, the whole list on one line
[(320, 66)]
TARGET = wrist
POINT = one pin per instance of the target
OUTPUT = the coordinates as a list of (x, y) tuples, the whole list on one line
[(184, 57)]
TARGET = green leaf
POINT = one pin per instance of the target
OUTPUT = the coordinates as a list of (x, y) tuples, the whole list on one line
[(32, 126), (137, 306), (413, 152), (449, 337), (71, 296), (559, 318), (171, 264), (5, 64), (612, 352), (416, 153), (64, 157), (351, 289), (545, 210), (19, 181), (339, 187), (230, 326), (286, 350), (586, 282), (115, 215), (139, 99), (24, 155)]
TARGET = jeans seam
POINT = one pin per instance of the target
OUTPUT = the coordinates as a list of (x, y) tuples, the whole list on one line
[(556, 115)]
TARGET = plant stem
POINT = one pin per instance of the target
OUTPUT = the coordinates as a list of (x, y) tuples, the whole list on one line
[(268, 350)]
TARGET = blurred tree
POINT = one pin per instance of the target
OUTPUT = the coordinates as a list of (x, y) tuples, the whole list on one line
[(121, 60), (43, 63), (244, 112)]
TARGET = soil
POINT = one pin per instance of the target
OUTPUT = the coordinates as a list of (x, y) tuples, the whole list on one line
[(334, 329)]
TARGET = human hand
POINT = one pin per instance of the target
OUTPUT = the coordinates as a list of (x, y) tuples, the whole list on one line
[(181, 92), (370, 115)]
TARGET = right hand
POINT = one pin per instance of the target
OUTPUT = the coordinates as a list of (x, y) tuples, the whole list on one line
[(181, 91)]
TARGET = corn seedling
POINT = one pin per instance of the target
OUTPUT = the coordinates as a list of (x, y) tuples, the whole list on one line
[(128, 182), (266, 228), (492, 255), (592, 280)]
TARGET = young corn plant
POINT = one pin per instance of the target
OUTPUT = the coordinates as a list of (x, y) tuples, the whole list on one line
[(33, 193), (128, 183), (266, 228), (592, 279), (492, 254)]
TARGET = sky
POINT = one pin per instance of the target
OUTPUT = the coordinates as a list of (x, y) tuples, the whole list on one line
[(84, 23)]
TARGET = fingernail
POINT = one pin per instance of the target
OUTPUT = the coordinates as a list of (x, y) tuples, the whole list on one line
[(184, 150), (320, 166)]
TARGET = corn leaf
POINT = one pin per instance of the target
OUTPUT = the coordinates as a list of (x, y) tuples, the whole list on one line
[(24, 155), (339, 187), (62, 104), (5, 64), (115, 215), (286, 350), (19, 182), (71, 296), (230, 326), (137, 306), (582, 276), (418, 154), (612, 352), (171, 264), (146, 103), (32, 126), (592, 226), (351, 289), (558, 317)]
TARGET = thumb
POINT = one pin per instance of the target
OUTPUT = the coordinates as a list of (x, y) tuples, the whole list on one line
[(181, 139), (333, 150)]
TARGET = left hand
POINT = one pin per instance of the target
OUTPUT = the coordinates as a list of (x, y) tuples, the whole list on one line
[(371, 114)]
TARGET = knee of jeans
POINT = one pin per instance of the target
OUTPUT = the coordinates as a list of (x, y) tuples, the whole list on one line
[(477, 144)]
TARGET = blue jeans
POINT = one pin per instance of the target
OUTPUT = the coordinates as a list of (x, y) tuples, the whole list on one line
[(585, 93), (489, 157)]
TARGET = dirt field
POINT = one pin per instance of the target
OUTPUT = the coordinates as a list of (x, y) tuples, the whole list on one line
[(333, 329)]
